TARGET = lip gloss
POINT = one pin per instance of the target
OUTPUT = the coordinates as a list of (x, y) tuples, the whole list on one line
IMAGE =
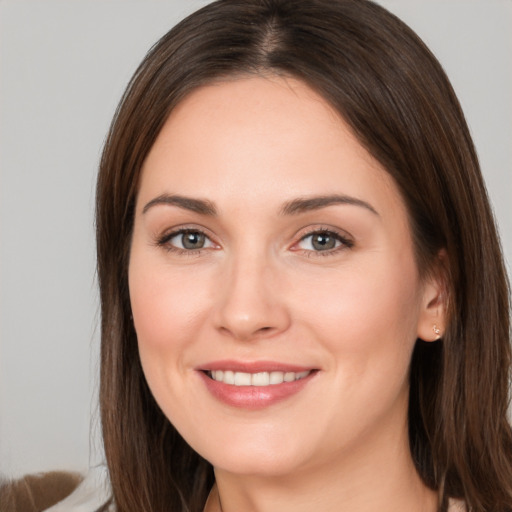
[(253, 397)]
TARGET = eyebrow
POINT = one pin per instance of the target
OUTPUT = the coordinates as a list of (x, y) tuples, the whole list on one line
[(307, 204), (294, 207), (202, 206)]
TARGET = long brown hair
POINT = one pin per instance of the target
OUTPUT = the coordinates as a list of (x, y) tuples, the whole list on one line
[(394, 94)]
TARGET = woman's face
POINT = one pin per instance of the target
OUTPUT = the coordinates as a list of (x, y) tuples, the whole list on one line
[(273, 284)]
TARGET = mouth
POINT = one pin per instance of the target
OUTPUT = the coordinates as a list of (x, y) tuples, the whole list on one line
[(254, 385)]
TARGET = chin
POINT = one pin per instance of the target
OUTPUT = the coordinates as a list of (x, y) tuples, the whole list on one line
[(256, 457), (256, 465)]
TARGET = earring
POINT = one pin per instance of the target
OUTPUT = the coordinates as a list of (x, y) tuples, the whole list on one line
[(437, 331)]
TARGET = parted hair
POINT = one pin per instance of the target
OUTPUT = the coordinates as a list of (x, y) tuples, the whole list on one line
[(395, 96)]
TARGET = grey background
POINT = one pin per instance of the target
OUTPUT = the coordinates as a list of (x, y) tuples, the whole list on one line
[(63, 67)]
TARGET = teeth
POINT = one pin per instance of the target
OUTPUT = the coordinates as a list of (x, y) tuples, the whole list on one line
[(242, 379), (289, 377), (228, 377), (276, 377), (260, 379), (256, 379)]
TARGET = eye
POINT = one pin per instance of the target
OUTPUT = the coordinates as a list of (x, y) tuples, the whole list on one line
[(186, 240), (323, 241)]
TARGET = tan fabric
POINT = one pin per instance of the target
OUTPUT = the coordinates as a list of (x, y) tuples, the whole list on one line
[(92, 495), (34, 493)]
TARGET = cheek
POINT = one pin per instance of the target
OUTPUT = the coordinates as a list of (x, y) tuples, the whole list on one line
[(365, 319), (168, 310), (366, 315), (164, 303)]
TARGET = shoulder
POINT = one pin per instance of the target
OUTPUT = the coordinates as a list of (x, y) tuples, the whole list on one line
[(90, 496)]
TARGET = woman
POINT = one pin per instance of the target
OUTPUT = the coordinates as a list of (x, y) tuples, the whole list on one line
[(303, 300)]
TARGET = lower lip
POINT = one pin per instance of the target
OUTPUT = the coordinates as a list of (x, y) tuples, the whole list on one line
[(254, 397)]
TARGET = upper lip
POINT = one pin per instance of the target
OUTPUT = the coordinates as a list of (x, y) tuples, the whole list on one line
[(252, 366)]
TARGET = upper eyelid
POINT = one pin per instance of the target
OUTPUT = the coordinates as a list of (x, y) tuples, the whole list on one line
[(173, 234), (324, 229), (175, 231)]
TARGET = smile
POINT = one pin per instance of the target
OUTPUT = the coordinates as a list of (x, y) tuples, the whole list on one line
[(254, 385), (256, 379)]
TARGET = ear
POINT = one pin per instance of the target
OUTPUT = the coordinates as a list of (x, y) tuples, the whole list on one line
[(434, 303)]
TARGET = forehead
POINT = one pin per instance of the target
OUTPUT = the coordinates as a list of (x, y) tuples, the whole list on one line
[(260, 139)]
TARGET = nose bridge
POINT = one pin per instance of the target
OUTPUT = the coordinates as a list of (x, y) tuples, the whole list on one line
[(249, 304)]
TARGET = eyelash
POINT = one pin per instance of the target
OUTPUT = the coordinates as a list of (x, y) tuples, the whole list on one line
[(165, 239), (345, 242)]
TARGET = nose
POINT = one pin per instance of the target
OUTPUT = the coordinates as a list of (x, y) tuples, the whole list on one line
[(250, 303)]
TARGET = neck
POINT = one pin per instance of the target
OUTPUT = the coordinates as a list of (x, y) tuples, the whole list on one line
[(366, 479)]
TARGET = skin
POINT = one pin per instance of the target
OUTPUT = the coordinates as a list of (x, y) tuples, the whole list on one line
[(260, 290)]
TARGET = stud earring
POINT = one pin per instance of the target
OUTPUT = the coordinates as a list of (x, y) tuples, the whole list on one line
[(437, 331)]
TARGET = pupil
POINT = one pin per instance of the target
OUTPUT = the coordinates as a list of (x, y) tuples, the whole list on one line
[(323, 242), (193, 240)]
